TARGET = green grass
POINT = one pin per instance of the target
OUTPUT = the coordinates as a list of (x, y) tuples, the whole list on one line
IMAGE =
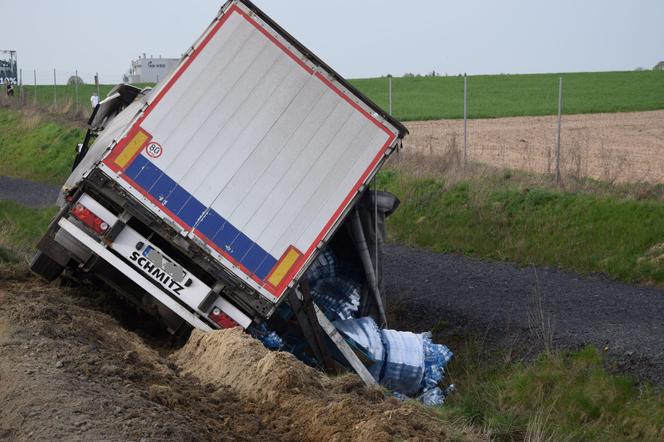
[(20, 229), (491, 96), (34, 148), (559, 396), (619, 236)]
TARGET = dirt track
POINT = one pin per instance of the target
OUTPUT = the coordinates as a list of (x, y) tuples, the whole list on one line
[(71, 369), (621, 147), (527, 308)]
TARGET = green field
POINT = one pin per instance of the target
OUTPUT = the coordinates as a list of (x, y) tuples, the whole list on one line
[(491, 96)]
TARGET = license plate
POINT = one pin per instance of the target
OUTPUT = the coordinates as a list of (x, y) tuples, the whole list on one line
[(176, 272)]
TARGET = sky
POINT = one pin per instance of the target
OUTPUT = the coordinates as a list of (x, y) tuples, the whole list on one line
[(358, 38)]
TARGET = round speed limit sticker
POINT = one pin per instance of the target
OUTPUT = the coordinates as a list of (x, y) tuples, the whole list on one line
[(154, 150)]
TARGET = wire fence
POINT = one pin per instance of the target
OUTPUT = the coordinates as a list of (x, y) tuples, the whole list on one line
[(607, 146), (60, 91), (455, 118)]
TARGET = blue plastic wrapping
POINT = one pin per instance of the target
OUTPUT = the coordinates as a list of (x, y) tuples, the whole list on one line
[(364, 335), (338, 298), (269, 338), (404, 361), (436, 358), (432, 396), (334, 287), (407, 363)]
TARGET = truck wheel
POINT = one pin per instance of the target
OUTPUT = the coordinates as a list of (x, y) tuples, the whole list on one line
[(45, 267)]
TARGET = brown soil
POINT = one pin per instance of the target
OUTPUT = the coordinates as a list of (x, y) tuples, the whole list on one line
[(304, 404), (69, 370), (620, 147)]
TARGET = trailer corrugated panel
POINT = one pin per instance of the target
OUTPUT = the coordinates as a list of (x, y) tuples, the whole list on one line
[(253, 149)]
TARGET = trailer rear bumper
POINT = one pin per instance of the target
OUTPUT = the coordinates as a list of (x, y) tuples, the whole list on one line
[(105, 254)]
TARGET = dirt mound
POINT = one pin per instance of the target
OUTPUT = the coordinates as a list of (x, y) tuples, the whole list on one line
[(69, 370), (79, 365), (303, 403)]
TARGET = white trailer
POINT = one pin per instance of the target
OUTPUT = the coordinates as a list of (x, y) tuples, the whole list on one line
[(214, 191)]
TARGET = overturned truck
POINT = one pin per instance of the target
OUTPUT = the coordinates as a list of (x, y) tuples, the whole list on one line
[(206, 199)]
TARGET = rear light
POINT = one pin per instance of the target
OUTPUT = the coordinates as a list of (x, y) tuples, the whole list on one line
[(88, 218), (222, 319)]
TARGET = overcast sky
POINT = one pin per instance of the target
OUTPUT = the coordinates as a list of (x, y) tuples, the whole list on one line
[(359, 38)]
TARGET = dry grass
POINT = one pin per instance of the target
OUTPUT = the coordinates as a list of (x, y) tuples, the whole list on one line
[(65, 112)]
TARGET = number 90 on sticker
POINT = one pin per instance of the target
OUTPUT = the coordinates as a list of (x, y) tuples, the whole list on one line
[(154, 150)]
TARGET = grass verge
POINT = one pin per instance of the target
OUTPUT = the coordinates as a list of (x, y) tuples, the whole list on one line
[(33, 147), (558, 396), (20, 229), (595, 228)]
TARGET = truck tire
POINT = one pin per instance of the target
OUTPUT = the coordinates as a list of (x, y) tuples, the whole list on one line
[(45, 267)]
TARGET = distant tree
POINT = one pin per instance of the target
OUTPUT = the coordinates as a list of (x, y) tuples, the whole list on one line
[(73, 80), (659, 66), (408, 75), (639, 69)]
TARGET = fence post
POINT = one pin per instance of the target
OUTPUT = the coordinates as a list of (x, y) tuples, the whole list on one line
[(20, 86), (389, 94), (465, 119), (35, 97), (55, 90), (76, 88), (97, 82), (560, 111)]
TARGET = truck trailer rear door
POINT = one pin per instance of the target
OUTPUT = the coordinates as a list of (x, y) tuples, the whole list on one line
[(253, 148)]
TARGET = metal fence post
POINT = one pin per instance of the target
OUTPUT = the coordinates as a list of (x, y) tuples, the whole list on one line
[(465, 119), (35, 97), (76, 88), (97, 82), (55, 90), (389, 94), (560, 111), (20, 86)]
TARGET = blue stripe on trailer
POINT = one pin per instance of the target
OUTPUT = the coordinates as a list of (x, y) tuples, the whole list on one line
[(210, 224), (240, 247), (254, 258), (266, 267), (177, 199), (162, 188), (213, 226), (148, 176), (225, 237), (191, 211), (135, 168)]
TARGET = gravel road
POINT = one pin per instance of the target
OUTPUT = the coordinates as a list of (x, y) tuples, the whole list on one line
[(27, 192), (512, 305)]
